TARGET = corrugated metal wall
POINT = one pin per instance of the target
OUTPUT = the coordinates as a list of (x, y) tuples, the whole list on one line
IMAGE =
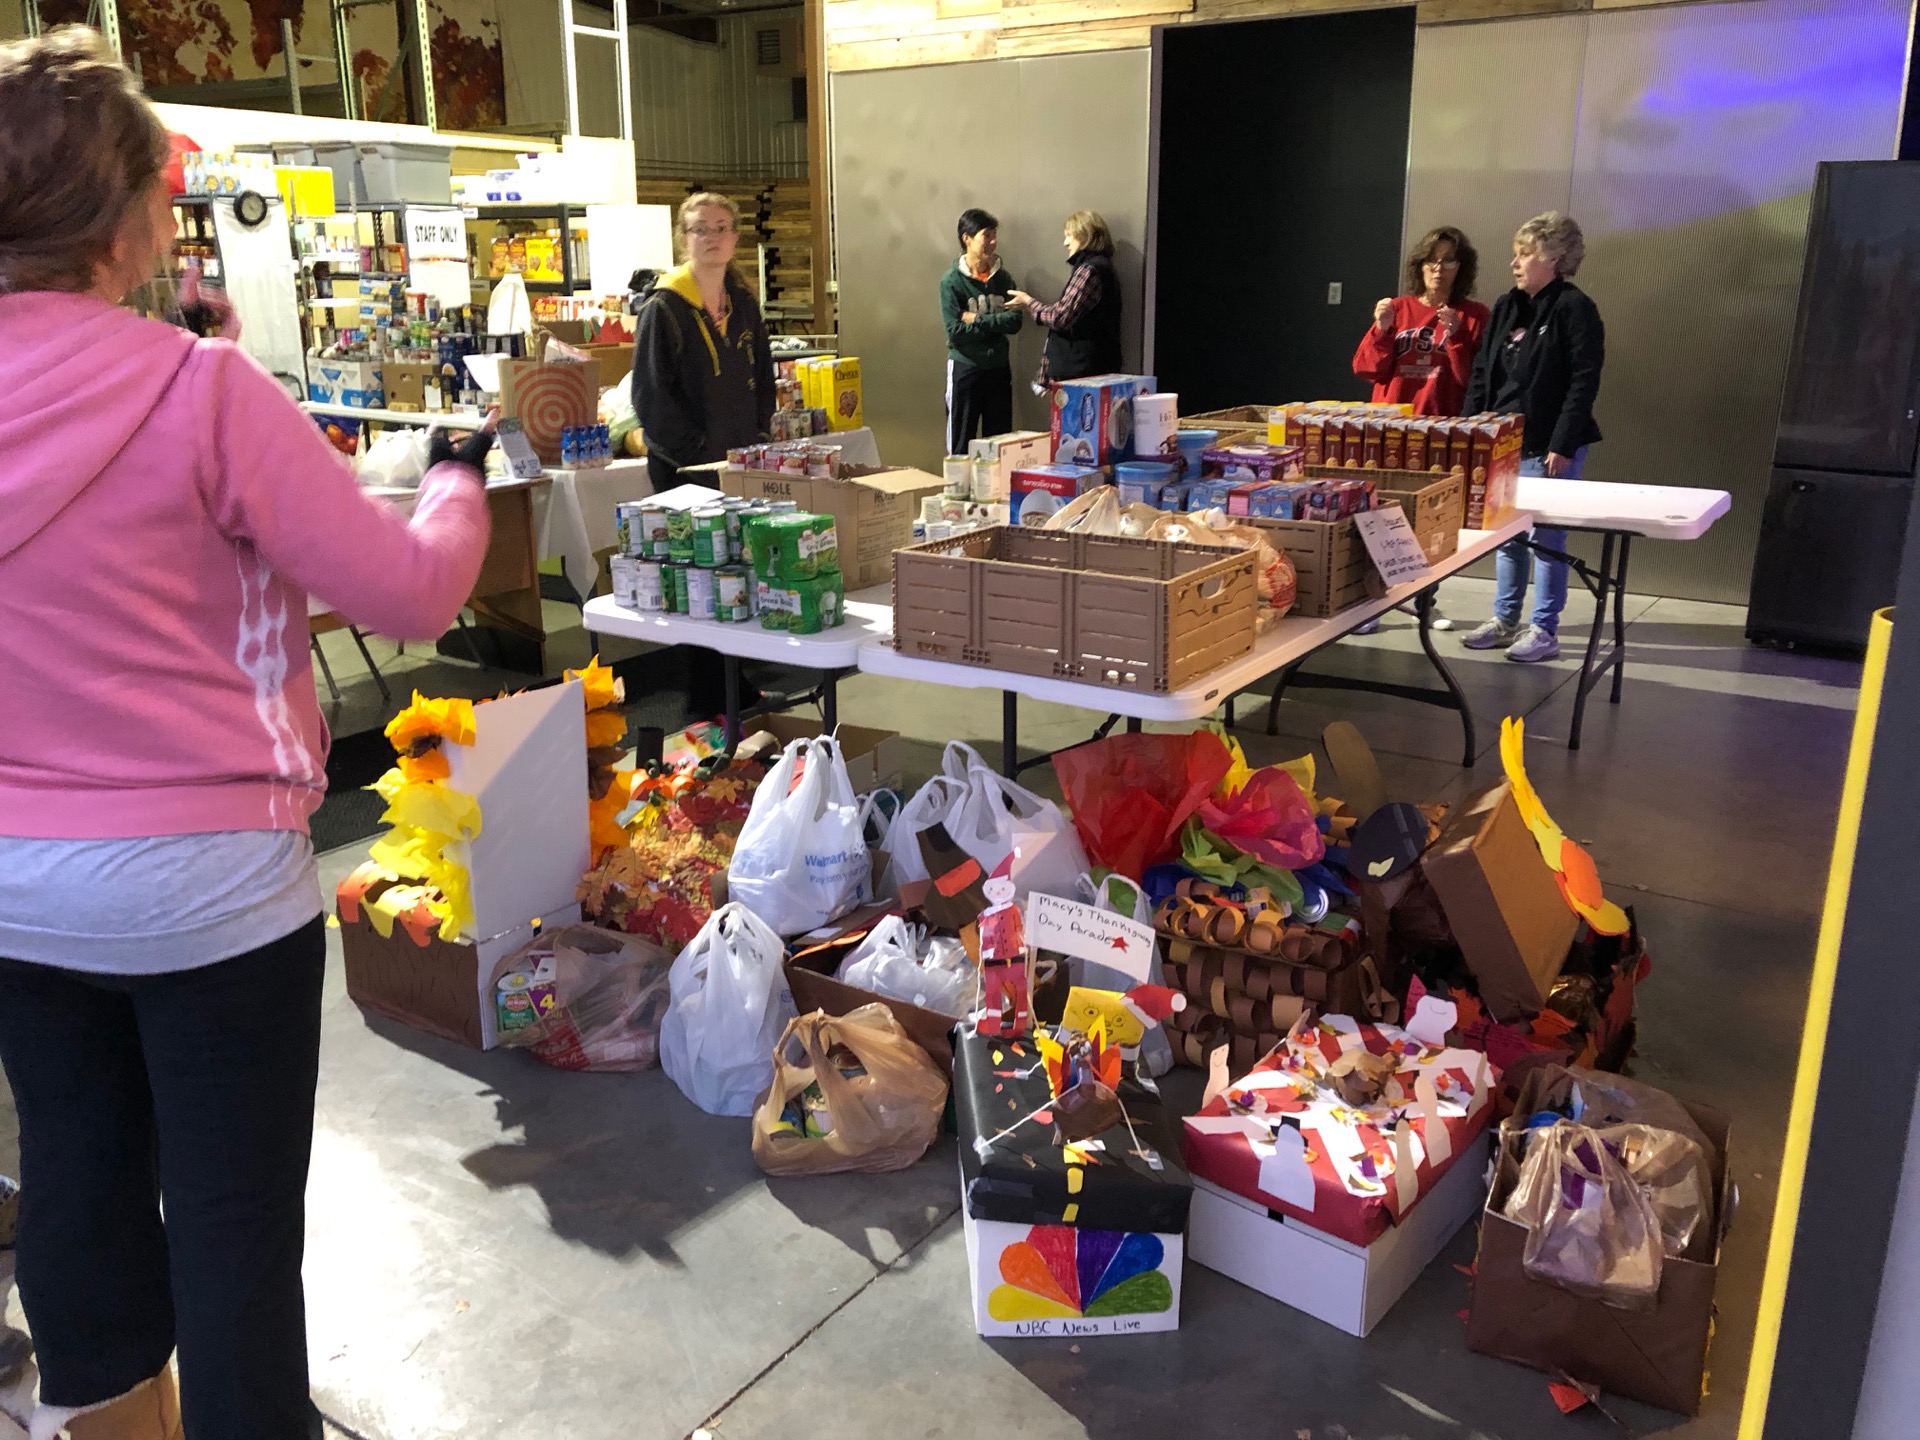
[(707, 109)]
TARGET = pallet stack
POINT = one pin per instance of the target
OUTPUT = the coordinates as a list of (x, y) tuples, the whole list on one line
[(776, 214)]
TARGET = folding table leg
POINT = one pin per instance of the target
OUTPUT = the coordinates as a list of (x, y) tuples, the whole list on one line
[(1133, 725), (1010, 734), (830, 700), (1585, 680), (1620, 619), (1273, 705), (367, 655), (731, 666), (1423, 606)]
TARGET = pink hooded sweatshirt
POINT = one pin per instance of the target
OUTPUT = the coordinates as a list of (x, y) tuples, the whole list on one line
[(165, 511)]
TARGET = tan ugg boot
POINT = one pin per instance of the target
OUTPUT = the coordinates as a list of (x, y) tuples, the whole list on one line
[(150, 1411)]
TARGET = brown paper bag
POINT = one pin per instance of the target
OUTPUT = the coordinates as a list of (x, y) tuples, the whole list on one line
[(883, 1119), (545, 397)]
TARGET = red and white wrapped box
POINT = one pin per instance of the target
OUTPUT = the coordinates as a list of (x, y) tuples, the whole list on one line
[(1283, 1139)]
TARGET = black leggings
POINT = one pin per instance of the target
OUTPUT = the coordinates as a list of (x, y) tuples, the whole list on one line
[(194, 1088)]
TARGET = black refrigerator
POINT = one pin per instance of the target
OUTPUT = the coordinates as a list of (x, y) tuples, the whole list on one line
[(1844, 454)]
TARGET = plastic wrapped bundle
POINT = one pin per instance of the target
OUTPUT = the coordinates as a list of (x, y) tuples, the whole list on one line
[(902, 962)]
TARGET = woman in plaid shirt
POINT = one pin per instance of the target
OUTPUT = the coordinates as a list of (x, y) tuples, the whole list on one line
[(1083, 325)]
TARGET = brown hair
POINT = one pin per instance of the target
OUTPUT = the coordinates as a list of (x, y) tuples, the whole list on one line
[(703, 200), (1090, 232), (1463, 279), (78, 145)]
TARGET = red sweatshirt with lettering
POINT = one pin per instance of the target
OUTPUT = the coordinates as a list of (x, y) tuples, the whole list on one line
[(1414, 364)]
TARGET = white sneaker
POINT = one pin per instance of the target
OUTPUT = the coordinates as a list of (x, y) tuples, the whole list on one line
[(1494, 635), (1534, 644), (1439, 621)]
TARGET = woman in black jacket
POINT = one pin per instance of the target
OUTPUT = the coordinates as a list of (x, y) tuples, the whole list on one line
[(702, 369), (1083, 325), (1541, 358)]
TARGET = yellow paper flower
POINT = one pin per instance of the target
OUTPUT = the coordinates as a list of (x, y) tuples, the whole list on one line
[(436, 809), (605, 727), (603, 687), (449, 720)]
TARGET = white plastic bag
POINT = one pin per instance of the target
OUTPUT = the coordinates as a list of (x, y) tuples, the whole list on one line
[(801, 861), (1123, 897), (729, 1007), (397, 458), (902, 962), (995, 810), (930, 805)]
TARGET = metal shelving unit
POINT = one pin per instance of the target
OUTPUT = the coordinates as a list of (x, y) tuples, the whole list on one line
[(567, 214)]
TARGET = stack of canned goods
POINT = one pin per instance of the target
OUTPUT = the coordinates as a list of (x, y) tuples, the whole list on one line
[(795, 560), (685, 562), (820, 462)]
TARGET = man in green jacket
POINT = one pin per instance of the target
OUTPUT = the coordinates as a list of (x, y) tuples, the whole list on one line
[(973, 304)]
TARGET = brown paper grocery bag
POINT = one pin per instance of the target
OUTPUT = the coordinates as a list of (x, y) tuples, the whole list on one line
[(545, 396)]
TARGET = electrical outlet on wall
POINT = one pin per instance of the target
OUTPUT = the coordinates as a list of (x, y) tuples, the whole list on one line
[(1333, 292)]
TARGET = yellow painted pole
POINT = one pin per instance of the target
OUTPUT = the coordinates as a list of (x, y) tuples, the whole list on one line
[(1813, 1040)]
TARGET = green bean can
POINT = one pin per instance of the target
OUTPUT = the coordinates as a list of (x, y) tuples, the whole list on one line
[(680, 536), (674, 586), (710, 538), (730, 595), (771, 604), (653, 531)]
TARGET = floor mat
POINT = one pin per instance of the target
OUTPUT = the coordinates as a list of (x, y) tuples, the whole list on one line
[(351, 812)]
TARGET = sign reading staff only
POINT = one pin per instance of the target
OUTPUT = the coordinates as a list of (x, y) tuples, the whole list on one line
[(1068, 927), (435, 233), (1392, 545)]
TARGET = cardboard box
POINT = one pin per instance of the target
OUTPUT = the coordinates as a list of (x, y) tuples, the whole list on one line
[(1004, 1260), (1657, 1356), (875, 758), (873, 510), (1349, 1286), (614, 359), (1013, 451), (1037, 491), (406, 384), (1093, 418), (1503, 904), (345, 382)]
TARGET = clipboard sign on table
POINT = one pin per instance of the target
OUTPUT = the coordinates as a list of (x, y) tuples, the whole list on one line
[(1392, 545)]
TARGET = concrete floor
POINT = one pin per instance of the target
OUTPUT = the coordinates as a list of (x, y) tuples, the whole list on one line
[(498, 1249)]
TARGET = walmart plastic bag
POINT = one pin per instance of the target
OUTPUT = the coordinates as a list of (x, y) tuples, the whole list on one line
[(903, 962), (849, 1092), (729, 1005), (801, 860), (610, 994)]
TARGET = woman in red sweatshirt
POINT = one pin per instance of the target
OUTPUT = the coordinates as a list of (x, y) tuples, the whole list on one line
[(1419, 350)]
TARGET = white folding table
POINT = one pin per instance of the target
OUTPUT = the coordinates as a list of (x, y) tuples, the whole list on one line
[(1616, 513), (835, 652), (1281, 648)]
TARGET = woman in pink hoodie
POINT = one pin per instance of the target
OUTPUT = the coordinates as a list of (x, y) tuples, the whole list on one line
[(165, 511)]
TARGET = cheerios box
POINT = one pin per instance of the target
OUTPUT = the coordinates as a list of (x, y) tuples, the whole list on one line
[(1093, 418)]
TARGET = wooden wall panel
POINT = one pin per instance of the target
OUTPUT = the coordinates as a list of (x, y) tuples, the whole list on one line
[(894, 34)]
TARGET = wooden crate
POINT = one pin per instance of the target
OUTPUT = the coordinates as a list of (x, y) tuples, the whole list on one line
[(1133, 614), (1435, 503), (1234, 417)]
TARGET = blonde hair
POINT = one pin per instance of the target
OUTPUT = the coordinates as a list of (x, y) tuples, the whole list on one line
[(703, 200), (1090, 232), (1555, 237), (79, 144)]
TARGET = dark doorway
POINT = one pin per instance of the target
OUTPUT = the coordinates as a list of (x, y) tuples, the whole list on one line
[(1279, 169)]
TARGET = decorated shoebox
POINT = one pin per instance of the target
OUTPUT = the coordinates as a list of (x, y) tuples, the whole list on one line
[(1093, 418), (1066, 1237), (1334, 1172)]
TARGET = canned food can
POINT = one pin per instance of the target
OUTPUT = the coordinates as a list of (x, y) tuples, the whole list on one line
[(680, 535), (700, 591), (649, 592), (710, 545), (513, 1002), (770, 605), (653, 529), (730, 595), (738, 456), (673, 585), (783, 507), (621, 568), (626, 528)]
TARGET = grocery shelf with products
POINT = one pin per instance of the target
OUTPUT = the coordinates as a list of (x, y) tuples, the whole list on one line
[(508, 239)]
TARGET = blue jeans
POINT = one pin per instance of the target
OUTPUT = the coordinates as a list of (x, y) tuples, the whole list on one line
[(1549, 576)]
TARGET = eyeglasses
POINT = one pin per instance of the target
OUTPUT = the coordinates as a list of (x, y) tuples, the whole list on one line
[(710, 232), (1441, 264)]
